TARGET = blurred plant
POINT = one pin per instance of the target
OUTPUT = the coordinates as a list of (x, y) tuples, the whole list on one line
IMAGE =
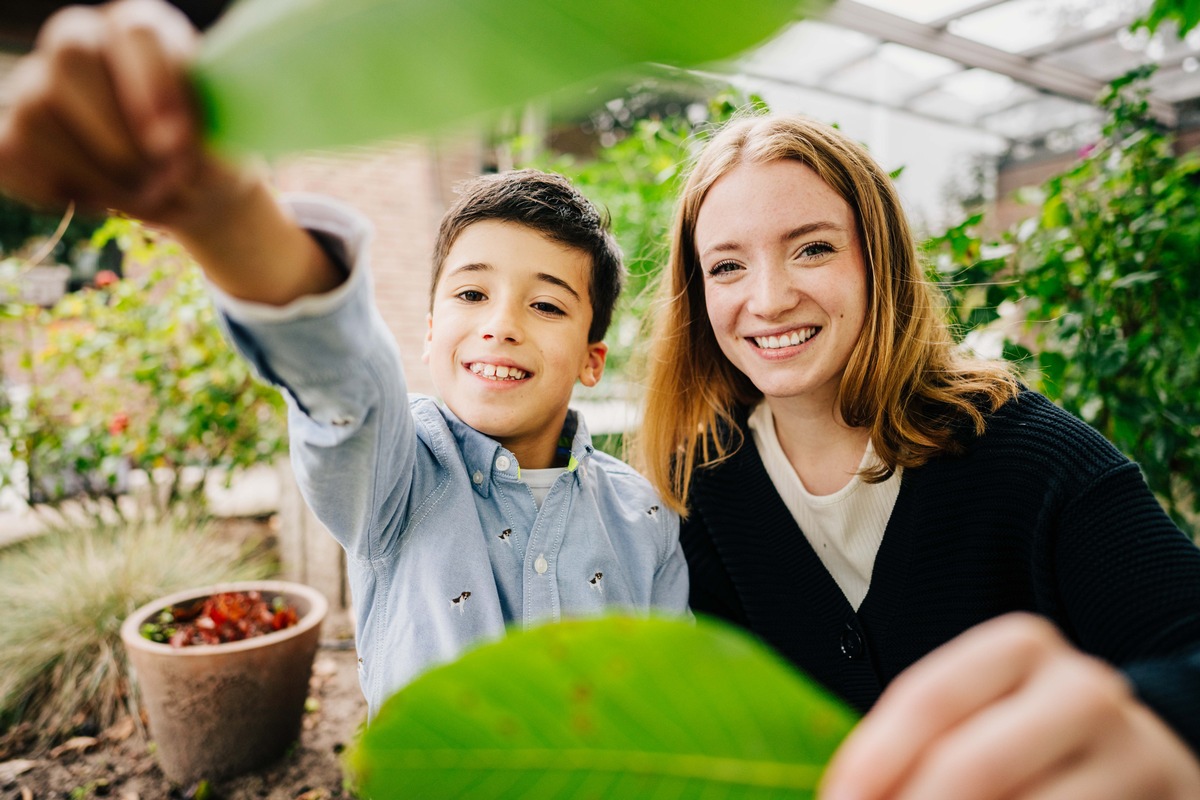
[(1106, 277), (132, 376), (65, 595), (637, 176), (1184, 13)]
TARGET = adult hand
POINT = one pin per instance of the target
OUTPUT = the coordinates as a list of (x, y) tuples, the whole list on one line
[(1011, 710), (102, 115)]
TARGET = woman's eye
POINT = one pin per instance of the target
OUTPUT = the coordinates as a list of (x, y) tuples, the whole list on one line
[(471, 296), (723, 268), (816, 249), (548, 308)]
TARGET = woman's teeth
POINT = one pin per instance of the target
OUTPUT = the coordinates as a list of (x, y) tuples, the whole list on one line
[(786, 340)]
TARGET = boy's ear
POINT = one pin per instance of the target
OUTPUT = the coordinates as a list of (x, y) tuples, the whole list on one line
[(428, 338), (593, 365)]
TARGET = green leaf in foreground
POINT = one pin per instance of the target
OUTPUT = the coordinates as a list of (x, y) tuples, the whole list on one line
[(612, 707), (278, 76)]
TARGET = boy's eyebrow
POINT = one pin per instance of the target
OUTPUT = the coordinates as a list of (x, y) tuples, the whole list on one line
[(559, 282), (545, 277), (795, 233)]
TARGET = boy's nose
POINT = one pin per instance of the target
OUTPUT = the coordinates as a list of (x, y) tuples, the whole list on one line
[(502, 326)]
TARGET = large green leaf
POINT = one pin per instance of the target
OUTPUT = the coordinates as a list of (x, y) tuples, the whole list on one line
[(612, 707), (277, 75)]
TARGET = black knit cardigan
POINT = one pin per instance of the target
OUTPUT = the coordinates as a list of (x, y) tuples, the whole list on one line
[(1040, 514)]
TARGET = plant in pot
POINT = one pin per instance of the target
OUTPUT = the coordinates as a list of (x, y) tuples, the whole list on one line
[(219, 708)]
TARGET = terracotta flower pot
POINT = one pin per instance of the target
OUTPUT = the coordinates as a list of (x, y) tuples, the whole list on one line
[(224, 709)]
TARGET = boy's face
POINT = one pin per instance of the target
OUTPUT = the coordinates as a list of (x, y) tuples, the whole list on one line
[(508, 335)]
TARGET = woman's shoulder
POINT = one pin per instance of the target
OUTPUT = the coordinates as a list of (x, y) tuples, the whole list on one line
[(1030, 427)]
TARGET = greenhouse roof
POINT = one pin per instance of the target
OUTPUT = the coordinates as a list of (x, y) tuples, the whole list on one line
[(1026, 71)]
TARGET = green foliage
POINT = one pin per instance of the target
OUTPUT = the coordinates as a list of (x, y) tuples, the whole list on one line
[(637, 179), (134, 376), (19, 224), (1107, 279), (1184, 13), (611, 707), (65, 595)]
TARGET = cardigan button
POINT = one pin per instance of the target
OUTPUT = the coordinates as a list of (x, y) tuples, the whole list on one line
[(852, 643)]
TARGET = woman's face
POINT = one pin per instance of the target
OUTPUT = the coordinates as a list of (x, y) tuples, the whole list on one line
[(784, 278)]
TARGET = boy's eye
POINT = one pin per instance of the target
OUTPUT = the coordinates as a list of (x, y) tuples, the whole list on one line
[(471, 296), (723, 268), (548, 308)]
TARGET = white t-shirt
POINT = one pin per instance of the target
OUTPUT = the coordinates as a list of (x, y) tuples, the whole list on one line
[(539, 481), (844, 528)]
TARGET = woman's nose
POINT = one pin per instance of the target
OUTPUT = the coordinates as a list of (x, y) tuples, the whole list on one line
[(771, 293)]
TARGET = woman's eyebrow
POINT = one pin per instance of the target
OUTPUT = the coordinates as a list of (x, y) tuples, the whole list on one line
[(809, 228), (474, 266), (798, 232)]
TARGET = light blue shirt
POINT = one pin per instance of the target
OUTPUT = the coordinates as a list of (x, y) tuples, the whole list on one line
[(445, 545)]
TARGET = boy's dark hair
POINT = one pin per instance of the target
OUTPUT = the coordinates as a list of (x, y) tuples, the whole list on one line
[(550, 205)]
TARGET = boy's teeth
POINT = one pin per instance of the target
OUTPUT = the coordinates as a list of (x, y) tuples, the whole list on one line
[(497, 372), (786, 340)]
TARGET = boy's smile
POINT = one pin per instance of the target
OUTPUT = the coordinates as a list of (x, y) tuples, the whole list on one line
[(508, 335)]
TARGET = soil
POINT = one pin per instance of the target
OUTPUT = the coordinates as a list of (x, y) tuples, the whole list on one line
[(118, 764)]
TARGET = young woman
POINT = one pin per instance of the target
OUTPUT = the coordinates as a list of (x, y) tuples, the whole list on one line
[(876, 504)]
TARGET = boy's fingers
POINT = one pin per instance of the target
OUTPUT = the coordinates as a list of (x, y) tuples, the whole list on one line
[(53, 169), (36, 155), (151, 45), (932, 697), (76, 88)]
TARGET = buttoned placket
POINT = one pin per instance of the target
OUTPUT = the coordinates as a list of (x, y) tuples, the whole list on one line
[(542, 600)]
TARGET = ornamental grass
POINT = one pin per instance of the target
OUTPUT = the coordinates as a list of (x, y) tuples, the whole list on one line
[(63, 596)]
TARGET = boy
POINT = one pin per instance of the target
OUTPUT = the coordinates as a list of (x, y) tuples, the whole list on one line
[(456, 520)]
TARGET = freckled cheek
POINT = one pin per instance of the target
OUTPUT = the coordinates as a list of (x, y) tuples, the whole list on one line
[(721, 312)]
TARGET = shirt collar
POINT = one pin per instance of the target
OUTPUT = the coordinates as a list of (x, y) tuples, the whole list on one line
[(487, 460)]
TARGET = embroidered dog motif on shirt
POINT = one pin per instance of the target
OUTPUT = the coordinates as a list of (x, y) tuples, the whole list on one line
[(595, 582), (460, 602), (652, 511), (505, 536)]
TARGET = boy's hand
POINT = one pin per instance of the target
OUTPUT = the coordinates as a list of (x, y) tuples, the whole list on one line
[(103, 116)]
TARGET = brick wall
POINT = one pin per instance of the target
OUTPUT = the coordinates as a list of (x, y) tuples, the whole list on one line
[(403, 190)]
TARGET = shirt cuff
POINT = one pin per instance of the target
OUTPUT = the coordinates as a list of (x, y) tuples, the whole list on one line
[(343, 232)]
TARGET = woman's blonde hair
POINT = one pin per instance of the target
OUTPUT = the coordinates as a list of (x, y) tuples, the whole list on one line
[(905, 381)]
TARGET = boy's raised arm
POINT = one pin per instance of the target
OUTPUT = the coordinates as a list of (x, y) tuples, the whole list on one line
[(102, 115)]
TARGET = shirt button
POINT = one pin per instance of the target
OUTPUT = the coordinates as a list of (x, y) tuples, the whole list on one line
[(852, 643), (540, 566), (477, 478), (502, 463)]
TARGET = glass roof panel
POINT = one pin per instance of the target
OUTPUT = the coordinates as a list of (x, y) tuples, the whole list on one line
[(809, 49), (1034, 119), (1019, 25), (971, 94), (917, 64), (1102, 59), (871, 79)]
